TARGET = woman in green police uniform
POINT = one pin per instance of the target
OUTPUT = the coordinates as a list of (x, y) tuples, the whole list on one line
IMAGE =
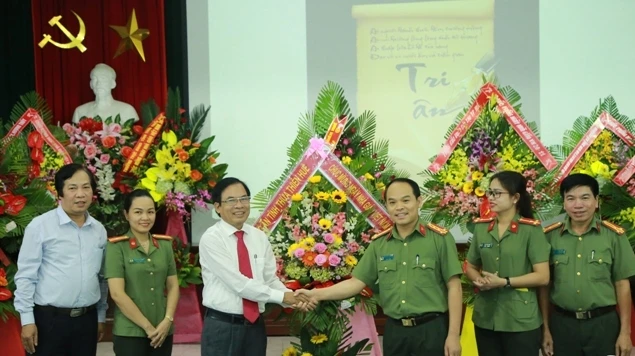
[(507, 260), (140, 268)]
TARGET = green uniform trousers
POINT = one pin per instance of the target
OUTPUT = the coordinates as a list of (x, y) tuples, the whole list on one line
[(427, 339), (507, 343), (591, 337)]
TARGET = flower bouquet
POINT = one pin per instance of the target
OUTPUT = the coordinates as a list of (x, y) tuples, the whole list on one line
[(103, 146), (321, 235), (456, 193), (180, 170), (607, 154), (188, 271)]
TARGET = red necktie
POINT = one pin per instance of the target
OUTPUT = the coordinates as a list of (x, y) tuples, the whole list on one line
[(250, 308)]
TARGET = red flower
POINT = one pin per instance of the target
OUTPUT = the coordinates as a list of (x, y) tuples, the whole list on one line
[(5, 294), (137, 129), (35, 140), (109, 142), (126, 151), (3, 278), (293, 285), (16, 205)]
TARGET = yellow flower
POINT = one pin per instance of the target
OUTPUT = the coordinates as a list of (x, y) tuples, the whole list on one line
[(468, 187), (350, 260), (325, 224), (319, 338), (338, 240), (322, 196), (290, 351), (477, 175), (600, 169), (309, 241), (292, 249), (315, 179), (346, 160), (306, 354), (297, 197), (338, 196), (380, 186), (479, 192), (369, 176), (169, 138)]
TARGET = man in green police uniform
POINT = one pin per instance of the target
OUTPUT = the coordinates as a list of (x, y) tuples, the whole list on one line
[(592, 261), (418, 270)]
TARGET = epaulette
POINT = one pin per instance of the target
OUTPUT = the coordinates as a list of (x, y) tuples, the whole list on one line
[(528, 221), (615, 228), (162, 237), (380, 234), (552, 227), (118, 238), (482, 220), (438, 229)]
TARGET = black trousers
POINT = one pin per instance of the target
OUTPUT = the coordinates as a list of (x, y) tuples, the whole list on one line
[(223, 338), (63, 335), (504, 343), (592, 337), (422, 340), (140, 346)]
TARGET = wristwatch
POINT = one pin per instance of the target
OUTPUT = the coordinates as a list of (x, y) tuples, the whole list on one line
[(508, 284), (171, 319)]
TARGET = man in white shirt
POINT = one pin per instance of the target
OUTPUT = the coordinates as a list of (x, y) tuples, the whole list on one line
[(239, 276)]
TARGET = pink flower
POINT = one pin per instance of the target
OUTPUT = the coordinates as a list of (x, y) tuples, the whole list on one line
[(92, 169), (349, 151), (329, 238), (320, 247), (320, 260), (90, 151), (298, 253), (353, 246), (378, 174), (68, 128), (122, 140), (365, 237), (334, 260), (345, 141), (105, 158)]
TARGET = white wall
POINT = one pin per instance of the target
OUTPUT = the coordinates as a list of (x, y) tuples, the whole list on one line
[(587, 52), (252, 65), (247, 59)]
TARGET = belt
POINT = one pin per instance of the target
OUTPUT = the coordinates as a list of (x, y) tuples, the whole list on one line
[(230, 318), (72, 312), (588, 314), (418, 320)]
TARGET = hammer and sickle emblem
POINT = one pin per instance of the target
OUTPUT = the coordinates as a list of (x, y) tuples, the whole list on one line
[(76, 41)]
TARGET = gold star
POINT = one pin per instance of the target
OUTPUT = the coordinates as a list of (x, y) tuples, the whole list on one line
[(131, 35)]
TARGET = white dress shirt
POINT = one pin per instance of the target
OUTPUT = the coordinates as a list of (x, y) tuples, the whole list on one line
[(224, 286)]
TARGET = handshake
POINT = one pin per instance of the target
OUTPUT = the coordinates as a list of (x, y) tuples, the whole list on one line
[(302, 299)]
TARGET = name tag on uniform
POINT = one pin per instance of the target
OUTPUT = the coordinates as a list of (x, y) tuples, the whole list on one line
[(137, 260), (558, 252), (387, 258), (486, 245)]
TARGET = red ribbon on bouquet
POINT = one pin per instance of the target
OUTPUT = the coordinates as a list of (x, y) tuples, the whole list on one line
[(513, 118), (31, 116), (604, 121)]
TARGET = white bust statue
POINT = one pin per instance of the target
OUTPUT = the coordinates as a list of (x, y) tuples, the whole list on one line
[(102, 82)]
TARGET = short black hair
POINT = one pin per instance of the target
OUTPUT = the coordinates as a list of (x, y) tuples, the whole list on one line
[(579, 180), (223, 184), (516, 183), (69, 170), (137, 193), (415, 187)]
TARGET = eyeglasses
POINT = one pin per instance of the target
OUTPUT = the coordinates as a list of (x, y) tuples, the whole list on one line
[(495, 193), (234, 201)]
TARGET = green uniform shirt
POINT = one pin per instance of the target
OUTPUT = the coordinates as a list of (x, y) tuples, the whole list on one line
[(145, 276), (514, 254), (585, 267), (412, 271)]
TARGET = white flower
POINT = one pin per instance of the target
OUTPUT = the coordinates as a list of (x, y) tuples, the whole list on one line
[(105, 178), (10, 226)]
